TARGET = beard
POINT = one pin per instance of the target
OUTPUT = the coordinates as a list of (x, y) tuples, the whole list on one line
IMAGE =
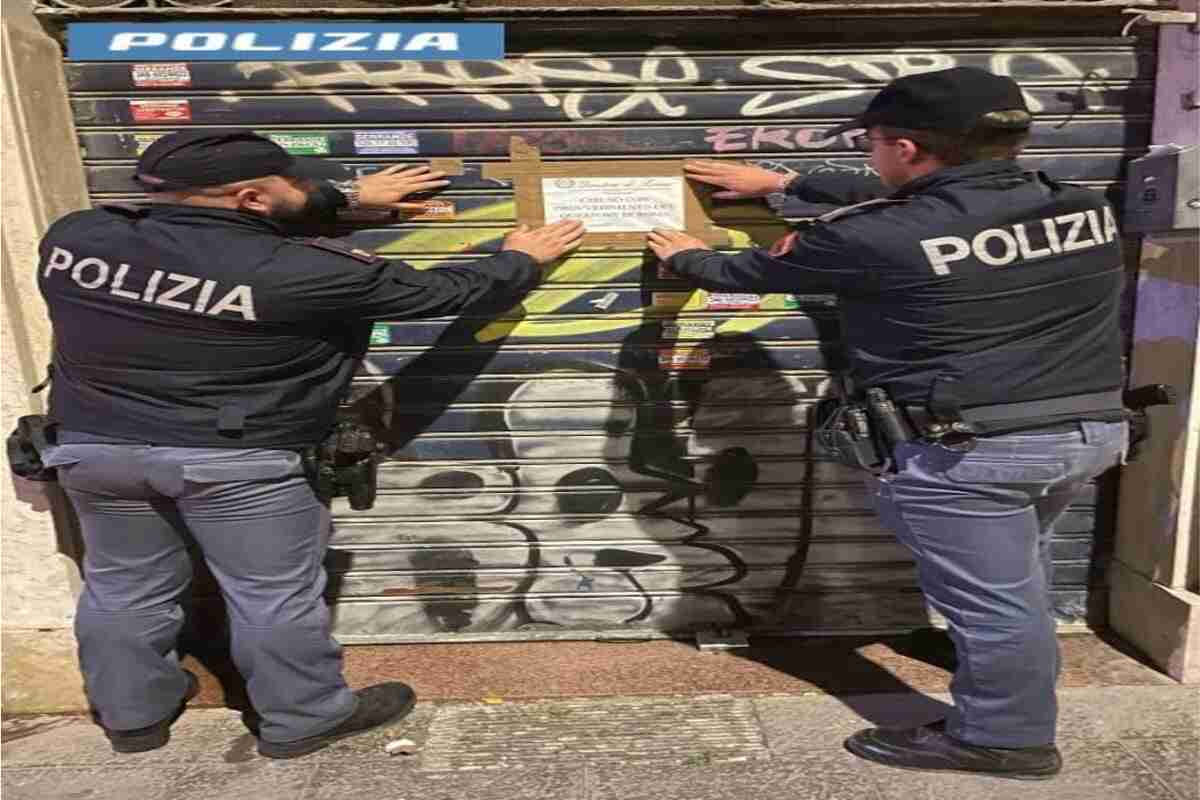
[(317, 216)]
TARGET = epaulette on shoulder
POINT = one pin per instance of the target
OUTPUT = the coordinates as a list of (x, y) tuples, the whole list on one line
[(334, 246), (846, 211)]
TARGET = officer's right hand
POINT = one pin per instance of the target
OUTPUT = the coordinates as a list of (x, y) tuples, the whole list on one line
[(742, 180), (386, 188), (547, 243)]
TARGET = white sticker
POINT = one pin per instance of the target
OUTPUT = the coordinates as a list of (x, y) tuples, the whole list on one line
[(728, 301), (690, 329), (381, 143), (152, 76), (605, 302), (615, 205)]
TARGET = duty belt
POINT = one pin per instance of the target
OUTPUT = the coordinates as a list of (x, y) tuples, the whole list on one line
[(1005, 417)]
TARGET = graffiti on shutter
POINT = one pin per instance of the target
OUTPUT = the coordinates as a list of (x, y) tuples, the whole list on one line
[(621, 452)]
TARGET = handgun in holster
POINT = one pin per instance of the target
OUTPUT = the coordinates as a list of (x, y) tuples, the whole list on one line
[(842, 429), (29, 440), (1136, 401), (345, 464)]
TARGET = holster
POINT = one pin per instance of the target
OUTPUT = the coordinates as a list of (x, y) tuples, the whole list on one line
[(842, 430), (345, 464), (29, 440)]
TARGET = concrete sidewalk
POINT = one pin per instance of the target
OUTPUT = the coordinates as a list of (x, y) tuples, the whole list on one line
[(1119, 742)]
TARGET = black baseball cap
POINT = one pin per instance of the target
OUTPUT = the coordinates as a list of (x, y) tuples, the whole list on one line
[(213, 156), (949, 100)]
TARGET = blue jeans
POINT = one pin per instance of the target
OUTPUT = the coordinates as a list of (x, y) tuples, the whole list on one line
[(979, 525), (263, 534)]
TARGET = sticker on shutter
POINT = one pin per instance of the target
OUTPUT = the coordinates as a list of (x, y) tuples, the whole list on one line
[(160, 76), (302, 144), (144, 140), (690, 329), (729, 301), (684, 358), (381, 333), (669, 299), (160, 110), (389, 142)]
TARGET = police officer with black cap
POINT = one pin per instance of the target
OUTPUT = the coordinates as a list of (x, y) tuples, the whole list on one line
[(979, 307), (197, 351)]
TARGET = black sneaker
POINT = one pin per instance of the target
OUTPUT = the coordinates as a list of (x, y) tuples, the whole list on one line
[(930, 748), (152, 737), (377, 705)]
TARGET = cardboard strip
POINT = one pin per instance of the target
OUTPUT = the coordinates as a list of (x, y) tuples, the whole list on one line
[(450, 166)]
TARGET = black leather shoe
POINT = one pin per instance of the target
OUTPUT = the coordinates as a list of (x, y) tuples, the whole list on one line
[(929, 748), (152, 737), (377, 705)]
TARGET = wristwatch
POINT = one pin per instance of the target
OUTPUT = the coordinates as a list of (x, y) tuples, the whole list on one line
[(350, 190)]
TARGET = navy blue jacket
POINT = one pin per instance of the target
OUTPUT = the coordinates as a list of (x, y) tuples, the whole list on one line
[(1001, 282), (185, 326)]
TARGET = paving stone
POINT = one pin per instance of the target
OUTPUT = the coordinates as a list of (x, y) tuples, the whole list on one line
[(1127, 712), (815, 775), (262, 780), (816, 721), (1093, 770), (370, 745), (624, 730), (383, 780), (1176, 762), (199, 735)]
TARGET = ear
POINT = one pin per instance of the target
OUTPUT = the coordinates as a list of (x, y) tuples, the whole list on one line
[(252, 198), (909, 151)]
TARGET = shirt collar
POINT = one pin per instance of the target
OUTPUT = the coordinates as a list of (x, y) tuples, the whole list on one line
[(177, 212), (975, 169)]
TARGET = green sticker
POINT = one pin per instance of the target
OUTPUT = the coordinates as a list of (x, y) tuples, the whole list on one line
[(302, 144), (381, 334), (791, 301)]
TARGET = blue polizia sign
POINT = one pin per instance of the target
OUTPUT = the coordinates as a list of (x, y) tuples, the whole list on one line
[(282, 41)]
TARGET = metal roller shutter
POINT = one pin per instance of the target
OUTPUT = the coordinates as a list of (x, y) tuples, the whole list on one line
[(620, 455)]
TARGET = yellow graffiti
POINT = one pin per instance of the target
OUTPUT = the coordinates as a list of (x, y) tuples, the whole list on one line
[(594, 269)]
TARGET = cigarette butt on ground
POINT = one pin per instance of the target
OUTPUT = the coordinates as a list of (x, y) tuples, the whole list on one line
[(400, 747)]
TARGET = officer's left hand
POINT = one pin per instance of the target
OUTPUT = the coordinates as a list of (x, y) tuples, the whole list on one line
[(386, 188), (666, 243)]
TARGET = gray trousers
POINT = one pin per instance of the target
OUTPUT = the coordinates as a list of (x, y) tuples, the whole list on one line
[(263, 534), (979, 525)]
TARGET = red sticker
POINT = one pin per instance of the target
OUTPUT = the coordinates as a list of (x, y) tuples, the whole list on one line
[(160, 76), (684, 358), (159, 110)]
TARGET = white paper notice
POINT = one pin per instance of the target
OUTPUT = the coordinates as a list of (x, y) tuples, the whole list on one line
[(615, 205)]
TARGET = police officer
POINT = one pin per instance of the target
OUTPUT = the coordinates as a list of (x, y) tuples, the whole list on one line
[(197, 349), (983, 299)]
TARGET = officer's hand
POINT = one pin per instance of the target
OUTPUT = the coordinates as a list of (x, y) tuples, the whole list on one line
[(547, 243), (386, 188), (742, 180), (666, 243)]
